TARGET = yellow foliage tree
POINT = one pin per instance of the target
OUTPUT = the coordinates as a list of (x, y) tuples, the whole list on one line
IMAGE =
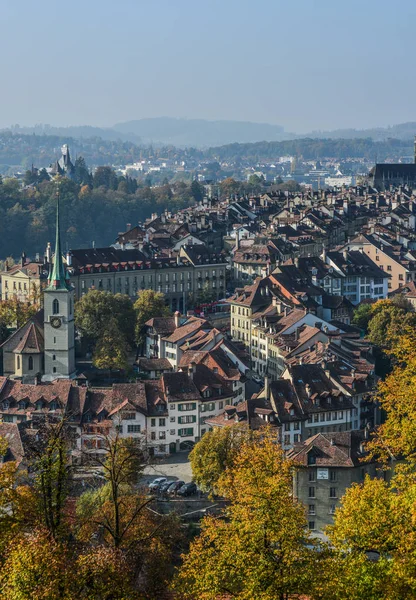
[(257, 548)]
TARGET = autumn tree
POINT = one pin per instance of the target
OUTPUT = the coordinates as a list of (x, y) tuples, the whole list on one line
[(373, 544), (48, 458), (257, 548), (15, 313), (148, 304), (37, 567), (215, 453), (117, 515)]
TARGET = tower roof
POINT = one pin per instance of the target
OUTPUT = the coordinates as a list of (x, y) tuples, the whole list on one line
[(57, 279)]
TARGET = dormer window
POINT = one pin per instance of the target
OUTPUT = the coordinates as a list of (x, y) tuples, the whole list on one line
[(292, 412), (6, 405), (39, 405), (22, 405), (52, 405)]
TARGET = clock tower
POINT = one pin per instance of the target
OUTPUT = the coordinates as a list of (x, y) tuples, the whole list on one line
[(59, 329)]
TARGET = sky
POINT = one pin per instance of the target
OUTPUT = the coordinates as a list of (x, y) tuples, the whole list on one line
[(303, 64)]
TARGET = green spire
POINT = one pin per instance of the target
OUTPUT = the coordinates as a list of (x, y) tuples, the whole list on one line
[(57, 279)]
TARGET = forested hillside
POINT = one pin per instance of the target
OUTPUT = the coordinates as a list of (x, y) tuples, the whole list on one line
[(89, 213)]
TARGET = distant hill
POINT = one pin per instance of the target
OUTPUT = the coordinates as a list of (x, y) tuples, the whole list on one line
[(81, 132), (404, 131), (200, 132)]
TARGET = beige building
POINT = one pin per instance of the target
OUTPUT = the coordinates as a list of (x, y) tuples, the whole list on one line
[(23, 280), (191, 273)]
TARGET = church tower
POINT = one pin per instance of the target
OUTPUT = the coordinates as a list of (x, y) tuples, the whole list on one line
[(59, 329)]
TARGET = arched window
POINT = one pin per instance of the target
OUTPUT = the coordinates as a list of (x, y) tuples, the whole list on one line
[(30, 363), (55, 307)]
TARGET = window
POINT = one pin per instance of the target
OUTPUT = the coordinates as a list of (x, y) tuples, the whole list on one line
[(186, 432), (287, 426), (286, 440), (312, 492), (311, 525), (152, 422), (53, 356), (311, 509), (18, 361), (340, 414), (55, 307), (172, 419), (332, 475), (187, 406), (162, 422), (311, 459), (332, 492), (30, 363), (312, 475), (187, 419), (129, 416), (133, 428), (162, 435), (152, 435), (54, 370), (332, 509), (119, 428)]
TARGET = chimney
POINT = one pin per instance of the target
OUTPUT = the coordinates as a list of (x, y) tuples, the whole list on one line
[(68, 259), (128, 226), (296, 262), (345, 255), (177, 317), (23, 259), (266, 388), (237, 239), (191, 370)]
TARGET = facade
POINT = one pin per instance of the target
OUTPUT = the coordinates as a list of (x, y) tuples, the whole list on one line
[(23, 280), (329, 463), (192, 272)]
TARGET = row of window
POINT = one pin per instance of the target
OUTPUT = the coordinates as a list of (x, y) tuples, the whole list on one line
[(332, 492), (312, 511), (329, 416)]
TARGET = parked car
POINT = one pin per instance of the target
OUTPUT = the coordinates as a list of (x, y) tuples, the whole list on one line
[(163, 488), (188, 489), (154, 486), (174, 487)]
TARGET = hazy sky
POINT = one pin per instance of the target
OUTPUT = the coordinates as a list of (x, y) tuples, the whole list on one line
[(305, 64)]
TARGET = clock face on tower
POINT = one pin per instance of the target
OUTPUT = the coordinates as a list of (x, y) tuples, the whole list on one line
[(56, 322)]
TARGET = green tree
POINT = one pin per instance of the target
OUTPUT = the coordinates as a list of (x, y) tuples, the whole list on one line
[(148, 304), (81, 174), (197, 191), (362, 316), (96, 310), (111, 349)]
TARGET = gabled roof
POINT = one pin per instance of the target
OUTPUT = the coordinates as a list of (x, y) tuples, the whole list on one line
[(337, 449), (32, 341)]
